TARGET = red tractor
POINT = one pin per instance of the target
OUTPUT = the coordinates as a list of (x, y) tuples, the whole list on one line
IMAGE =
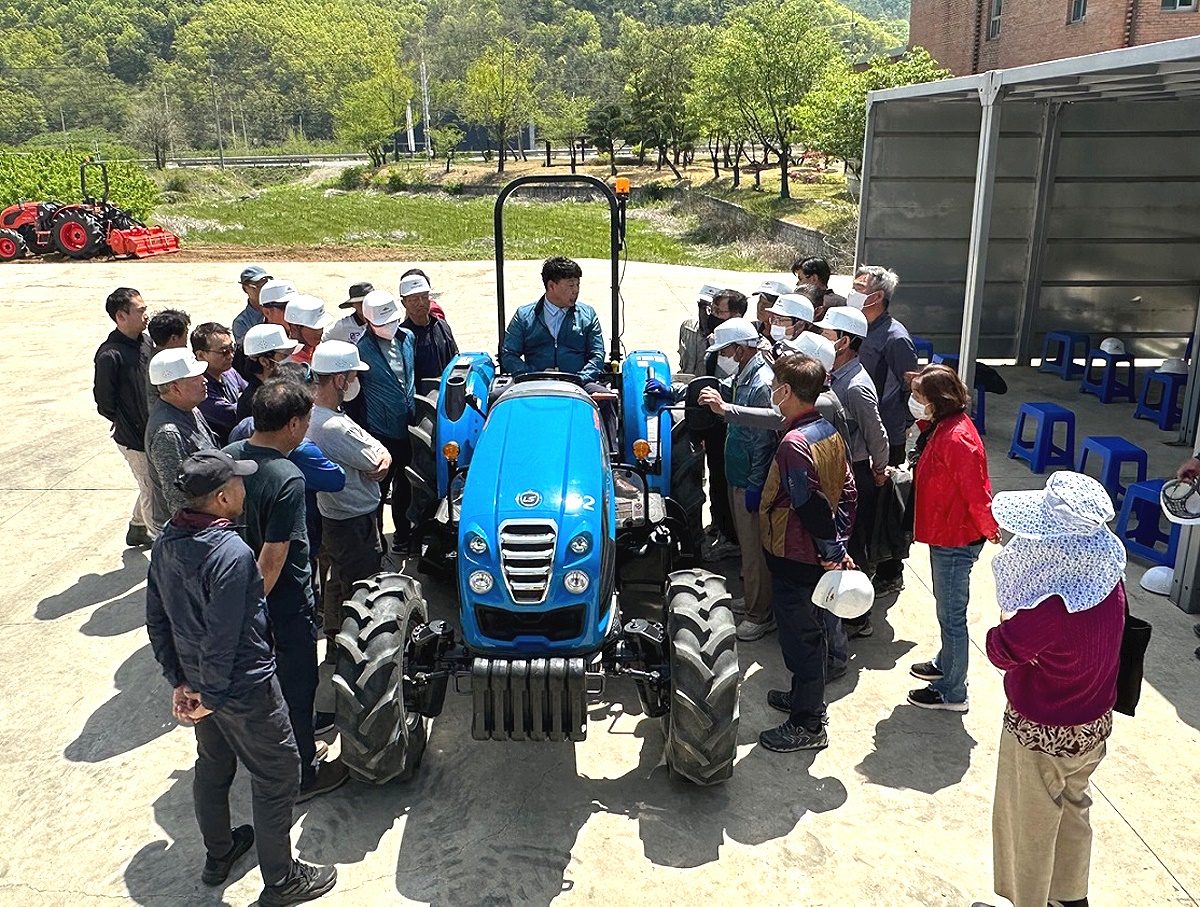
[(89, 229)]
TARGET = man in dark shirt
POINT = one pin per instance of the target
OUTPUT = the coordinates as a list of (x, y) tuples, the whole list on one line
[(213, 345), (433, 341), (206, 618), (277, 532), (120, 392)]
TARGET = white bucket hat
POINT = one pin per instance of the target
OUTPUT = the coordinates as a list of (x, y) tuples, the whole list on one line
[(845, 593), (793, 305), (380, 308), (268, 338), (844, 318), (1070, 504), (173, 364), (1180, 501), (731, 331), (815, 346), (1173, 367), (332, 357), (307, 311)]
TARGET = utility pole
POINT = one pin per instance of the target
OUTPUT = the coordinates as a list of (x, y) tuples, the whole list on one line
[(62, 119), (216, 118), (425, 104)]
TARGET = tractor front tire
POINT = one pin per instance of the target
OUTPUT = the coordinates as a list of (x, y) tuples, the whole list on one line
[(687, 483), (76, 234), (383, 736), (12, 245), (702, 724)]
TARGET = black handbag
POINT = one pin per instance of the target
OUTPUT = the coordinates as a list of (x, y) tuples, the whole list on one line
[(1134, 642)]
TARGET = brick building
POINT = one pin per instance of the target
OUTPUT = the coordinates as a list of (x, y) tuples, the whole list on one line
[(969, 36)]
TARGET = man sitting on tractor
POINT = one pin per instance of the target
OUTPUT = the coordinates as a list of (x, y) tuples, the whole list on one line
[(559, 333)]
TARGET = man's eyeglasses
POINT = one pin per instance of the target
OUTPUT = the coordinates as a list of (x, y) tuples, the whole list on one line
[(714, 310), (226, 350)]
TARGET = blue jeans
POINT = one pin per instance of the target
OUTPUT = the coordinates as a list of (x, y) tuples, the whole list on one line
[(951, 569)]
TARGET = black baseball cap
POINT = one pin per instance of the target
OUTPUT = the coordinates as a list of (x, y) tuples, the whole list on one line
[(207, 470), (357, 292)]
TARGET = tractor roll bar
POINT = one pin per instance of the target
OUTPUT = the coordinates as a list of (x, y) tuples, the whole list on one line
[(616, 209)]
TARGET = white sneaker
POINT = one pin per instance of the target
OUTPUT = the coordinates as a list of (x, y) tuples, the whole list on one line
[(748, 630)]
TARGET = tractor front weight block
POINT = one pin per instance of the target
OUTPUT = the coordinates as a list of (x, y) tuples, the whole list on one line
[(529, 699)]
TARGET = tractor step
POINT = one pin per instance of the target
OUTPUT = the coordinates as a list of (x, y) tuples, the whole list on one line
[(529, 699)]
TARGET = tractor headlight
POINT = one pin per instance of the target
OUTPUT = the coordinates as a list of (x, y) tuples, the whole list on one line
[(581, 544), (477, 545), (576, 582), (480, 582)]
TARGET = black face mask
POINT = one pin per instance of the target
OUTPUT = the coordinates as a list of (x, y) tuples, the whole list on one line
[(708, 323)]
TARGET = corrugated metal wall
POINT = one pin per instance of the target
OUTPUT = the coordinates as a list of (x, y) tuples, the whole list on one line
[(1123, 219)]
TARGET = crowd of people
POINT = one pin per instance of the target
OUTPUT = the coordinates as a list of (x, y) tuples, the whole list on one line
[(265, 453)]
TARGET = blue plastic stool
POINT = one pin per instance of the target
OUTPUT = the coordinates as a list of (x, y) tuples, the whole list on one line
[(1113, 452), (1166, 411), (1042, 452), (1107, 385), (1058, 353), (923, 347), (978, 399), (1146, 538)]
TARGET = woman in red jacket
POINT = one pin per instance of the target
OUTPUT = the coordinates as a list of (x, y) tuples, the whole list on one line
[(952, 498), (1062, 612)]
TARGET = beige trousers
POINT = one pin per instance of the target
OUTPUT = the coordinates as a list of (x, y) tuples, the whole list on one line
[(143, 507), (1041, 836), (755, 579)]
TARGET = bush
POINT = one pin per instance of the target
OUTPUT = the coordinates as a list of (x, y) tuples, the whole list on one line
[(455, 188), (396, 181), (657, 190), (177, 181), (354, 178), (46, 174)]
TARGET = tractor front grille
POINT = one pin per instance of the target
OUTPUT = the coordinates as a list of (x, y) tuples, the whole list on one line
[(527, 559)]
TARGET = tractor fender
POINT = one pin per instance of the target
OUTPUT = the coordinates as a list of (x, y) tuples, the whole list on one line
[(467, 375), (645, 418)]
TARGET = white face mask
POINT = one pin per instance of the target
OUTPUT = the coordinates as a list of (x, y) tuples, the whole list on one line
[(726, 366), (352, 390), (778, 332), (920, 411), (775, 405), (385, 331), (856, 300)]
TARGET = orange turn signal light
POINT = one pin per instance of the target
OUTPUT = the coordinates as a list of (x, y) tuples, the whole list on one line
[(623, 185), (450, 450), (641, 448)]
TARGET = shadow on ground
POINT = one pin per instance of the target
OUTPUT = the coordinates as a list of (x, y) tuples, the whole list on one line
[(115, 589), (936, 741), (139, 713)]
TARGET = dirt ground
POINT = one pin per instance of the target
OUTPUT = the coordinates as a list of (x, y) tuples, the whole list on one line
[(896, 812)]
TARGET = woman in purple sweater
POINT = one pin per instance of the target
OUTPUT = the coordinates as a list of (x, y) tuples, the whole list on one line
[(1060, 585)]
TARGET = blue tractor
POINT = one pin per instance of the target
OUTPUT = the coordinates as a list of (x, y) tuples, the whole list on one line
[(550, 536)]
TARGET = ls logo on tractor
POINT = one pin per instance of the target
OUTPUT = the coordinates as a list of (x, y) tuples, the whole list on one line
[(529, 499)]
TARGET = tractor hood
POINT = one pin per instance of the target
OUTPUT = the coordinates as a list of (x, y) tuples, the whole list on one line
[(541, 456)]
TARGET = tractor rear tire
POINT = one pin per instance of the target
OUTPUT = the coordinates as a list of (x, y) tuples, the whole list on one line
[(687, 482), (12, 245), (702, 725), (76, 234), (383, 736), (422, 468)]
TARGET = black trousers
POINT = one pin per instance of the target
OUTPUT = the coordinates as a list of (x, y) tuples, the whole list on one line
[(892, 568), (864, 515), (296, 669), (353, 551), (803, 637), (253, 729), (718, 488), (396, 481)]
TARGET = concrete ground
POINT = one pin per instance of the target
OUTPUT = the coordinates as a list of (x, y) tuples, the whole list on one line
[(896, 811)]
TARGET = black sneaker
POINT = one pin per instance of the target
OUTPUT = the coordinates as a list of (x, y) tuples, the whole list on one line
[(927, 671), (833, 671), (892, 586), (306, 883), (929, 698), (859, 631), (791, 738), (330, 776), (781, 700), (216, 869), (137, 537), (1196, 629), (323, 723)]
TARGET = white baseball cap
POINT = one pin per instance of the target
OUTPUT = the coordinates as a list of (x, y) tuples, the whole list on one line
[(277, 293), (332, 357), (813, 345), (413, 284), (307, 311), (708, 293), (773, 288), (731, 331), (267, 338), (844, 318), (380, 308), (1173, 367), (793, 305), (846, 593), (173, 364), (1114, 346)]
